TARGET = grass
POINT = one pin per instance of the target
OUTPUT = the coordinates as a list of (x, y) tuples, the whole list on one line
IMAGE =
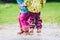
[(9, 13), (51, 12)]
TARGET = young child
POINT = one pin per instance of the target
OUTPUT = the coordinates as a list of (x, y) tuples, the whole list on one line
[(23, 17), (35, 11)]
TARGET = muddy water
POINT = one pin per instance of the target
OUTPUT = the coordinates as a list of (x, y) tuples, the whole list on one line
[(49, 32)]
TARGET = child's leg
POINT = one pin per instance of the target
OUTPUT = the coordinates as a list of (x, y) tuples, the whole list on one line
[(23, 21), (21, 31), (32, 24), (38, 22)]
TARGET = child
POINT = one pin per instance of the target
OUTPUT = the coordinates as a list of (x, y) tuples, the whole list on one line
[(23, 17), (35, 11)]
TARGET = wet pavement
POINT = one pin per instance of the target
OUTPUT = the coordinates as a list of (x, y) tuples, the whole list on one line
[(49, 32)]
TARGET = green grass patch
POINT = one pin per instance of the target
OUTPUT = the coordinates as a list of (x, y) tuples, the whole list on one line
[(9, 13), (51, 12)]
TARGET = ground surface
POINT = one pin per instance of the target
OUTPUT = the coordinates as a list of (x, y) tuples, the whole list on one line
[(49, 32)]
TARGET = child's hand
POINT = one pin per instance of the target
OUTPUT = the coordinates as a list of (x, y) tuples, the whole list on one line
[(20, 5), (25, 5)]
